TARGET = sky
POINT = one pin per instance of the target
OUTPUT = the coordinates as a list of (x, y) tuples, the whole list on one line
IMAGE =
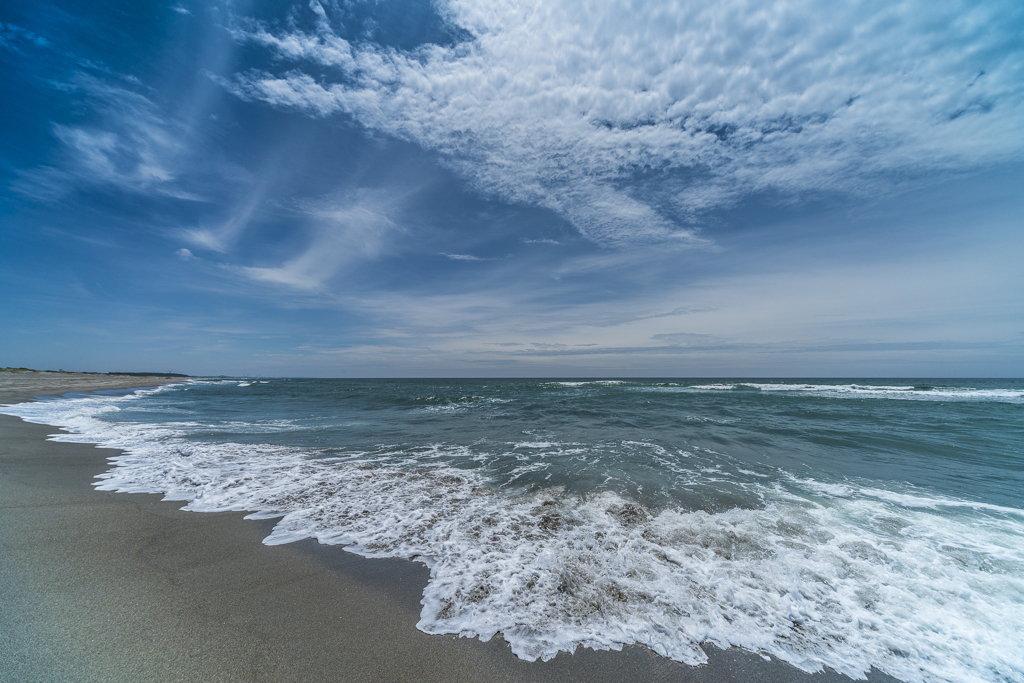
[(504, 188)]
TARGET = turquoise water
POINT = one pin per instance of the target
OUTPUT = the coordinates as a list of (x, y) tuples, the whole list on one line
[(840, 523)]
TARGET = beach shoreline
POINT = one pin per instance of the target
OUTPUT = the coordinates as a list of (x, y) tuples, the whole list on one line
[(105, 586)]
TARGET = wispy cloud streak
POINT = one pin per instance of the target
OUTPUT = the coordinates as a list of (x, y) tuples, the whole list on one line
[(353, 228), (132, 146)]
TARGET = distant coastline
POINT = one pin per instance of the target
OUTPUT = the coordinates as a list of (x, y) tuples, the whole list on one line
[(86, 372)]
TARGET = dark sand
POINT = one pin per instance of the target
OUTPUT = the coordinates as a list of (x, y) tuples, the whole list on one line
[(101, 586)]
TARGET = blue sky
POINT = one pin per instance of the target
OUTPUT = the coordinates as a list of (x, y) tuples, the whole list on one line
[(513, 188)]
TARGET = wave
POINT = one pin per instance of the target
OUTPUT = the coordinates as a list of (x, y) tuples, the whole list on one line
[(922, 588), (904, 392)]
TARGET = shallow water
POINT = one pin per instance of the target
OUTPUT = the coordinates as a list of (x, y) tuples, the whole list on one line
[(838, 523)]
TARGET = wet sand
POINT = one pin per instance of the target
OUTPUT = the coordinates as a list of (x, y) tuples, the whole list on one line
[(102, 586)]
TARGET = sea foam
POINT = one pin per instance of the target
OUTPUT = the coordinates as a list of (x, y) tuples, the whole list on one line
[(921, 587), (903, 392)]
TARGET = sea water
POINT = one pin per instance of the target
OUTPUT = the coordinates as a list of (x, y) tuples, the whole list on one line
[(846, 524)]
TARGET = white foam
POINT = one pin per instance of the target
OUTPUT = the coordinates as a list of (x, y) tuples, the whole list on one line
[(822, 575), (903, 392), (916, 500), (464, 404)]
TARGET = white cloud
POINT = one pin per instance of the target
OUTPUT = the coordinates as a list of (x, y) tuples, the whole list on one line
[(465, 257), (15, 37), (184, 254), (356, 227), (225, 234), (135, 148), (908, 317), (632, 118)]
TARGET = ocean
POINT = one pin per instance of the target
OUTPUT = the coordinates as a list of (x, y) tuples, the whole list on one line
[(838, 523)]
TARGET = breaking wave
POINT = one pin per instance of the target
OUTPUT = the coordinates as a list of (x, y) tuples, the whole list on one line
[(843, 575)]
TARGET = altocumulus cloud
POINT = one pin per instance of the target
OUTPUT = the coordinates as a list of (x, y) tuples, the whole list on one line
[(633, 119)]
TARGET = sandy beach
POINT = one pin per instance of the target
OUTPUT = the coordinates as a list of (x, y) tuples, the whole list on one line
[(102, 586)]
